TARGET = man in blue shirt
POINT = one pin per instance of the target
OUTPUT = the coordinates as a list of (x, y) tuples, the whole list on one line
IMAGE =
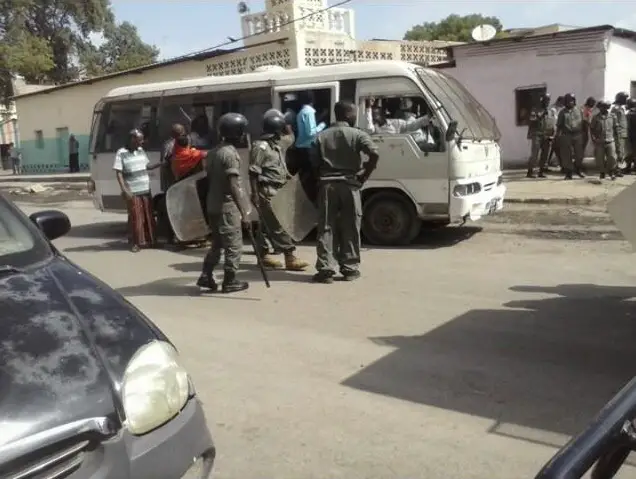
[(307, 130)]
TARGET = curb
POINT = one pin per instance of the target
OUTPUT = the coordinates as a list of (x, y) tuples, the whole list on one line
[(58, 186), (584, 201), (43, 179)]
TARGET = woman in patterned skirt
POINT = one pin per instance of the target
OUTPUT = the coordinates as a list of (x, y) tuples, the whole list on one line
[(131, 167)]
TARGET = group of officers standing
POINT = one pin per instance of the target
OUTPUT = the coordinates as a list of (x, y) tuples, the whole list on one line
[(334, 163), (564, 129)]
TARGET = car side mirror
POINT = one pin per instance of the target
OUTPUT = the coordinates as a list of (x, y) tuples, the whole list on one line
[(52, 223), (451, 131)]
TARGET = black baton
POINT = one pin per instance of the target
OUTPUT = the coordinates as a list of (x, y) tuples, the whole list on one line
[(257, 252)]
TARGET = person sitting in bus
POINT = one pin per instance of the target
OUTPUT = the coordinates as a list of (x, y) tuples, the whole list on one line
[(378, 123), (186, 160)]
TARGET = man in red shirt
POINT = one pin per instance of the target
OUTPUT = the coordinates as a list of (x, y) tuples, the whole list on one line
[(185, 159)]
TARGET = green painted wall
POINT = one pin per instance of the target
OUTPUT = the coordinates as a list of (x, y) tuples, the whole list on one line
[(45, 157)]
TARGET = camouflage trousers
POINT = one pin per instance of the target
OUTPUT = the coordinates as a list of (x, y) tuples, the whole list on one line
[(621, 149), (539, 151), (227, 234), (270, 228), (339, 222), (605, 156), (571, 148)]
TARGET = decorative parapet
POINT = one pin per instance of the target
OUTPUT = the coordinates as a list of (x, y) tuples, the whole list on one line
[(284, 18)]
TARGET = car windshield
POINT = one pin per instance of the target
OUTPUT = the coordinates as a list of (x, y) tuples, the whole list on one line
[(21, 243), (473, 120)]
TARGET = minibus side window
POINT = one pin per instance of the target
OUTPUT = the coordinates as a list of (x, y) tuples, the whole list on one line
[(321, 99), (402, 114), (121, 117)]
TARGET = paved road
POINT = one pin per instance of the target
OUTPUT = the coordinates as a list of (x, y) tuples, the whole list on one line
[(471, 355)]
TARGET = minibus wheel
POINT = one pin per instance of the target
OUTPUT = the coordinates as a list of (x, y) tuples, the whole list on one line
[(389, 219)]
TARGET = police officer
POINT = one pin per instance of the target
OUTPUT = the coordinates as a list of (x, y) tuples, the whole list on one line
[(631, 134), (620, 112), (570, 131), (603, 128), (541, 130), (268, 174), (228, 207), (341, 174)]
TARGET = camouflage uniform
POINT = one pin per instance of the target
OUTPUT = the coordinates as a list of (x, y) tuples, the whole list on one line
[(223, 214), (570, 127), (267, 166), (541, 130), (603, 131), (619, 112), (338, 162)]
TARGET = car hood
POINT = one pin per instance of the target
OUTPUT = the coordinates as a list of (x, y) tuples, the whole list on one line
[(65, 341)]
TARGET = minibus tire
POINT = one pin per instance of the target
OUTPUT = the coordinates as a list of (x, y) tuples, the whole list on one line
[(376, 206)]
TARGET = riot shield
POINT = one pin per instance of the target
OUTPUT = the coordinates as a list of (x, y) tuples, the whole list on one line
[(184, 209), (621, 209), (296, 214)]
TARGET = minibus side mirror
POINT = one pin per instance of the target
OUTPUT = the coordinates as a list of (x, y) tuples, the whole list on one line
[(451, 131)]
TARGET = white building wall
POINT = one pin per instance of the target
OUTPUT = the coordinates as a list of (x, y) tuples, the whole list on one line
[(492, 73), (621, 67)]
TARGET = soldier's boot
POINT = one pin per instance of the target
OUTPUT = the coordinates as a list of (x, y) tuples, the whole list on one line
[(579, 173), (293, 263), (270, 261), (231, 284), (530, 173), (602, 175), (568, 175), (542, 173), (206, 281), (323, 277), (618, 173)]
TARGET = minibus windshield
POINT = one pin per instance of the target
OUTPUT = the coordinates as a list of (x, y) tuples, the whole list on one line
[(473, 121)]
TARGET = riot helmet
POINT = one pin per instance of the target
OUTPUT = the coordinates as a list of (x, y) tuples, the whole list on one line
[(603, 105), (273, 122), (621, 98), (631, 103), (545, 100), (569, 100), (232, 127), (559, 101)]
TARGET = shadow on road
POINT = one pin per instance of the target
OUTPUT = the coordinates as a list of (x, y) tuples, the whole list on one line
[(101, 230), (178, 286), (547, 364)]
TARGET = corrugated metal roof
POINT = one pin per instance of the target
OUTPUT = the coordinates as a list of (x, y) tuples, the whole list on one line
[(530, 37), (174, 61)]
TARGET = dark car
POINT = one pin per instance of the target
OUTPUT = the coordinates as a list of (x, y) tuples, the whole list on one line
[(89, 387)]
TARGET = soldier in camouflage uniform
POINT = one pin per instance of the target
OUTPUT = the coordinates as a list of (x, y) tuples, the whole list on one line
[(541, 131), (227, 206), (341, 174), (620, 112), (268, 174), (603, 129), (631, 134), (570, 132)]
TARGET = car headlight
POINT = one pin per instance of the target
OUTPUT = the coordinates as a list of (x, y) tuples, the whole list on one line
[(155, 387)]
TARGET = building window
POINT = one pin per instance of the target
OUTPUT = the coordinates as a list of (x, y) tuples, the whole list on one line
[(526, 98), (632, 89), (39, 139)]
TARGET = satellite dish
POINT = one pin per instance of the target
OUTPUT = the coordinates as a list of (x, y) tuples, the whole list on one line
[(483, 33), (243, 8)]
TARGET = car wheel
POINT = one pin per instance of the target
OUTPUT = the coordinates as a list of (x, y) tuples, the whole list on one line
[(389, 219)]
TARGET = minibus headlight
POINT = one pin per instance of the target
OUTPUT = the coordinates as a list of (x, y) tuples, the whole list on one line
[(466, 190), (155, 387)]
